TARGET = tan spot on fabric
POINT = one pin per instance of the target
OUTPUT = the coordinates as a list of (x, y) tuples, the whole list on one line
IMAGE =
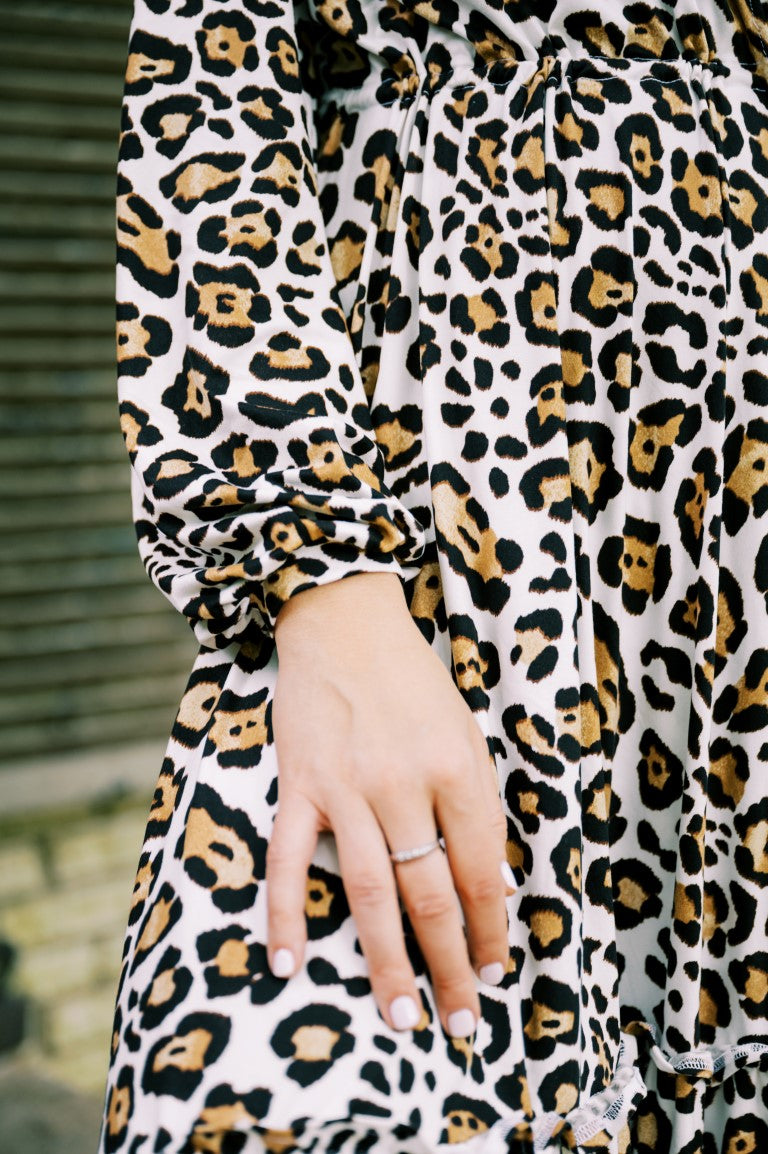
[(314, 1043)]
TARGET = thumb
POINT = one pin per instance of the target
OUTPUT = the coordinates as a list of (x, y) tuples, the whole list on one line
[(291, 847), (489, 782)]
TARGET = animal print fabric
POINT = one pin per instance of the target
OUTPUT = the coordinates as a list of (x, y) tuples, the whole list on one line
[(476, 294)]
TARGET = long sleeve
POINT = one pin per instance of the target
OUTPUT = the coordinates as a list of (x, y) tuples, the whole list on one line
[(255, 471)]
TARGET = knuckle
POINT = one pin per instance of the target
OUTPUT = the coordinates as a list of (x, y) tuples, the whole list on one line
[(391, 785), (452, 758), (449, 772), (300, 765), (431, 907), (279, 855), (366, 890), (372, 762), (498, 822), (390, 977), (280, 917), (463, 753), (456, 987), (280, 845), (280, 927), (482, 889), (497, 836), (478, 741), (364, 761)]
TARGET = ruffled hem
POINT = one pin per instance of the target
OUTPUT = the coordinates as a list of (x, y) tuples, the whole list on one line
[(601, 1117), (603, 1121), (712, 1063)]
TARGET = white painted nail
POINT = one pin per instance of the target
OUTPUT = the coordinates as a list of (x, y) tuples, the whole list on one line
[(506, 873), (461, 1023), (283, 963), (492, 973), (404, 1012)]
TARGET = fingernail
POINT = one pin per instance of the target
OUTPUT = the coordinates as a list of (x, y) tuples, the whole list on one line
[(461, 1023), (506, 873), (492, 973), (404, 1012), (282, 963)]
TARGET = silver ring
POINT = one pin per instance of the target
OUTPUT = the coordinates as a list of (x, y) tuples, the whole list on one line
[(418, 851)]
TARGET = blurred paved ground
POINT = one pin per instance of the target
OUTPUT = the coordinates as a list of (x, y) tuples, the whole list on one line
[(43, 1116)]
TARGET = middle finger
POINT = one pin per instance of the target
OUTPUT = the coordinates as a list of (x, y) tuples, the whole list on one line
[(427, 890)]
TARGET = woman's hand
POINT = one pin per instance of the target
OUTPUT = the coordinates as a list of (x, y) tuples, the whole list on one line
[(375, 742)]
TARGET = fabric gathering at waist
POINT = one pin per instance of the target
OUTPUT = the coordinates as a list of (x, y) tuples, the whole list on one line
[(390, 86)]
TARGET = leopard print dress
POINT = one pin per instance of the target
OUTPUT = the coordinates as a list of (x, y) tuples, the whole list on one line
[(475, 293)]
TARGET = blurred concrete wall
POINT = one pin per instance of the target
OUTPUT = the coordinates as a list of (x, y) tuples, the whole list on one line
[(70, 835), (93, 660)]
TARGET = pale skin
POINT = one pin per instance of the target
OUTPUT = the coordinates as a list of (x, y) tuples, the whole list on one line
[(375, 742)]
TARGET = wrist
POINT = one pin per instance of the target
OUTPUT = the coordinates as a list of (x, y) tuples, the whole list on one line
[(347, 603)]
